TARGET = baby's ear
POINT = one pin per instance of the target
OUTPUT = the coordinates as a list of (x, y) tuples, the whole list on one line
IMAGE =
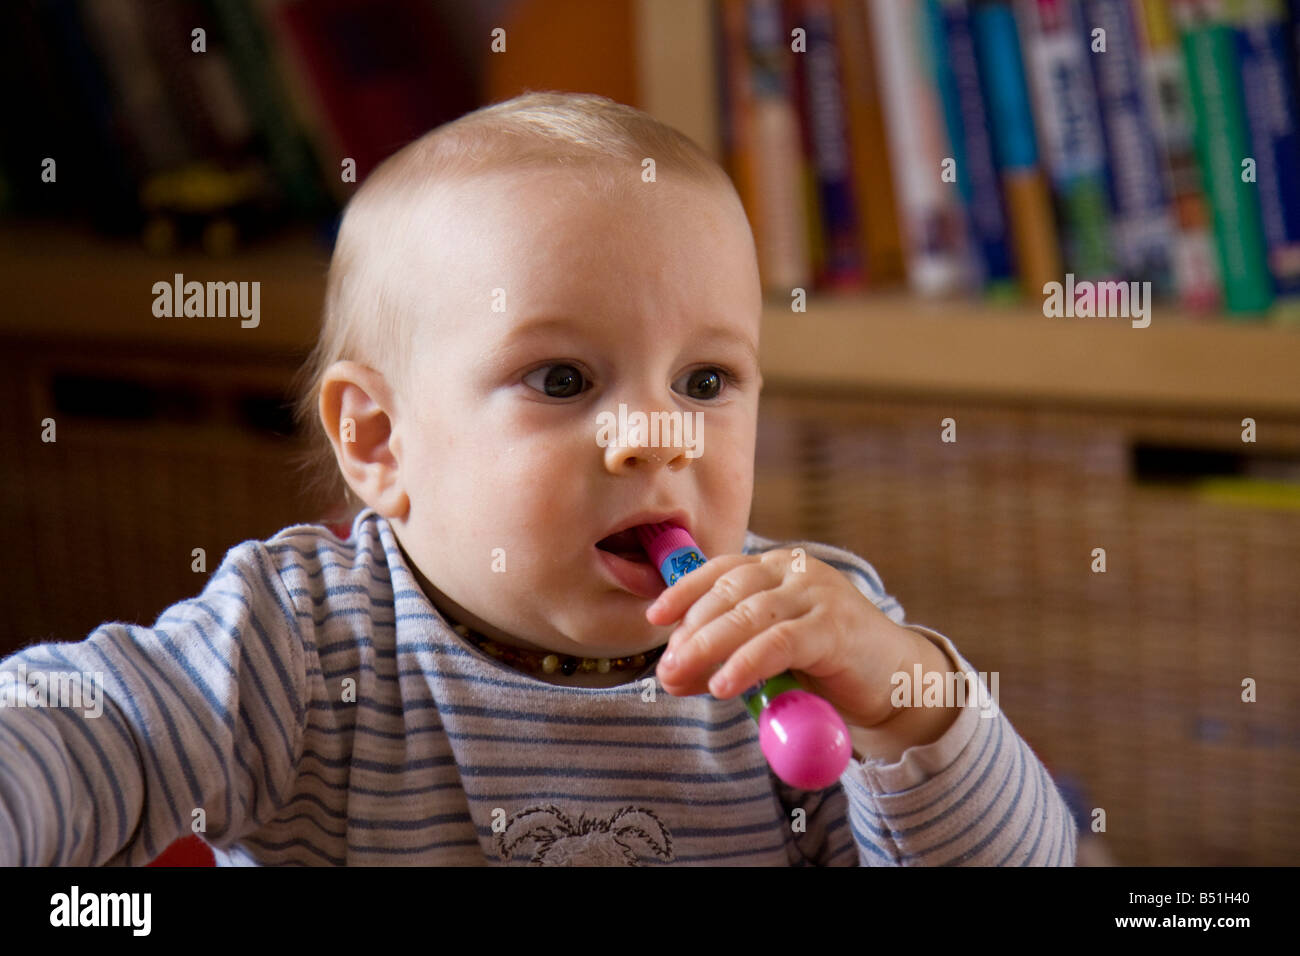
[(357, 408)]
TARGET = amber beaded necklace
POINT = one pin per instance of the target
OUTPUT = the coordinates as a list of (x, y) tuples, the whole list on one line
[(551, 663)]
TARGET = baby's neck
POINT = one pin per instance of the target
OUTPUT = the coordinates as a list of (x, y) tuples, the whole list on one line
[(614, 677), (586, 678)]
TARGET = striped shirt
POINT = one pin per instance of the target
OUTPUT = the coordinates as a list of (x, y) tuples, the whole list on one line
[(230, 717)]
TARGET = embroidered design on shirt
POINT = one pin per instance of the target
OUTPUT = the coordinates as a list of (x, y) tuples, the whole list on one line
[(589, 841)]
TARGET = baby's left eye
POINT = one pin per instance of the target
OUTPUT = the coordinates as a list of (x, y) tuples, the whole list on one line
[(709, 380), (561, 380)]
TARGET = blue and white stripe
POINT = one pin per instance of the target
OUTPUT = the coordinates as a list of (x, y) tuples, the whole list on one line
[(232, 704)]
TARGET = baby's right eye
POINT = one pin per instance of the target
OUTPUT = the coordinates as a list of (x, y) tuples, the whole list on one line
[(561, 381)]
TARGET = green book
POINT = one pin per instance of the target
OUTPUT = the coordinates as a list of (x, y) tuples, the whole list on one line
[(1222, 142), (290, 154)]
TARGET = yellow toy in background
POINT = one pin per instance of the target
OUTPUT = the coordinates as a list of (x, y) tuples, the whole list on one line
[(203, 200)]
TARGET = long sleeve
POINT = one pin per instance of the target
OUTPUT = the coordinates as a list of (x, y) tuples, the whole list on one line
[(976, 796), (204, 711)]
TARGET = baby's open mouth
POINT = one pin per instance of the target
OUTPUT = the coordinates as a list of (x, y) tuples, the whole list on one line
[(625, 544), (626, 564)]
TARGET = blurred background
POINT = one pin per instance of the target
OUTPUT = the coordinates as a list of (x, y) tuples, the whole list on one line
[(1107, 515)]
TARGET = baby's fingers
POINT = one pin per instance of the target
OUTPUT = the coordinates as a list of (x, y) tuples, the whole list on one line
[(675, 601)]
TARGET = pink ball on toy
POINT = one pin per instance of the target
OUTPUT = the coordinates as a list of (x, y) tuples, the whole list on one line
[(804, 740)]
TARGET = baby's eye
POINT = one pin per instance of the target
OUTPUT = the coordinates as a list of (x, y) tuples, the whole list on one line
[(560, 381), (707, 380)]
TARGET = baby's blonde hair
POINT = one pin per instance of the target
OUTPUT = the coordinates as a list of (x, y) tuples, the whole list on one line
[(601, 141)]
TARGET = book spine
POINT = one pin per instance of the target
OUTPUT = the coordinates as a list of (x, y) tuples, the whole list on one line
[(1293, 31), (1070, 131), (113, 201), (118, 33), (1142, 221), (288, 153), (204, 108), (722, 99), (967, 122), (738, 135), (1029, 204), (822, 104), (798, 86), (1222, 142), (307, 107), (778, 159), (933, 230), (877, 215), (1266, 84), (1196, 270)]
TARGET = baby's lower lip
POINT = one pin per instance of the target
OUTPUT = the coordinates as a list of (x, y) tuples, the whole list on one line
[(639, 577)]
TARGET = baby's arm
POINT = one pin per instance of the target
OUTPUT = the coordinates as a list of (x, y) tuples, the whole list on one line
[(202, 712), (977, 795)]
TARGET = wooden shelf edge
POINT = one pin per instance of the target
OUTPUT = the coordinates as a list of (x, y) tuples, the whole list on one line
[(63, 286), (897, 343)]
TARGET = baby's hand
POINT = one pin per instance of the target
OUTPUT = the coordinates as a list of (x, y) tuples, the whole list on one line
[(754, 616)]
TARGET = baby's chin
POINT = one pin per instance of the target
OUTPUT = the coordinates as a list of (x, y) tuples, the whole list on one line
[(591, 636)]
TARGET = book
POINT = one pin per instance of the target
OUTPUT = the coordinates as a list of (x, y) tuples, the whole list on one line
[(378, 73), (780, 189), (1015, 149), (814, 236), (1069, 128), (938, 259), (1267, 73), (67, 112), (879, 236), (1141, 219), (287, 149), (737, 114), (1222, 144), (116, 30), (819, 93), (1195, 265), (201, 83), (967, 121)]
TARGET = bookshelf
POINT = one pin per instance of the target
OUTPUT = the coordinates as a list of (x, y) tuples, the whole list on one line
[(885, 343), (50, 275), (898, 343)]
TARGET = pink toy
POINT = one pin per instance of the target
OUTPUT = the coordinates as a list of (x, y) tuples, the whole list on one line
[(803, 737)]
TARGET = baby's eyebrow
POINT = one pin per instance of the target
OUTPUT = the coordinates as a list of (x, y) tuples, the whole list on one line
[(536, 327), (716, 333), (550, 324)]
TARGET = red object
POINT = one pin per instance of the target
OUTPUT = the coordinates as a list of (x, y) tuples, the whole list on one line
[(380, 73), (191, 851)]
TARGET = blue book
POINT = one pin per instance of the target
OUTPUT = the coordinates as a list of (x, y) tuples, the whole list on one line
[(1268, 85), (827, 129), (952, 40), (1142, 219), (1015, 145)]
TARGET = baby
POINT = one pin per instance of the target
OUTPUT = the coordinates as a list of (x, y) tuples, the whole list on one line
[(488, 670)]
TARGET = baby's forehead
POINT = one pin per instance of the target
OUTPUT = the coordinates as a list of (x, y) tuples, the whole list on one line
[(558, 228), (492, 250), (501, 198)]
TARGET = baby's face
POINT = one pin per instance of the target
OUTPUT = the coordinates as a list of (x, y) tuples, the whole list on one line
[(651, 301)]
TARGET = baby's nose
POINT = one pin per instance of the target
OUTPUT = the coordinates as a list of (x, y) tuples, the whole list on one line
[(622, 459)]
